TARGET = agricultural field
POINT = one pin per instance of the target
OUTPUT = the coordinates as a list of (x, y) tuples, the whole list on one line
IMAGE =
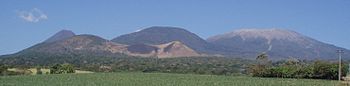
[(153, 79)]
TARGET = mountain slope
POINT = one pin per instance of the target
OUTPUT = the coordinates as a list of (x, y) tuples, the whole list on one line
[(276, 42), (176, 49), (76, 43), (78, 49), (160, 35), (63, 47)]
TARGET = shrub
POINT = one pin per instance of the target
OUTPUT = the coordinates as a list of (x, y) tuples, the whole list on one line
[(62, 69), (294, 68), (315, 70)]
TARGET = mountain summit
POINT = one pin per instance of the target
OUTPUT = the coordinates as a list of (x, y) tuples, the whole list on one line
[(278, 43), (61, 35), (160, 35)]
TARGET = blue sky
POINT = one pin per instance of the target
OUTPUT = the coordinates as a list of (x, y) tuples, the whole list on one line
[(25, 23)]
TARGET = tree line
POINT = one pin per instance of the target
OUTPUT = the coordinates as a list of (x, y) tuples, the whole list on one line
[(294, 68), (262, 66), (55, 69), (193, 65)]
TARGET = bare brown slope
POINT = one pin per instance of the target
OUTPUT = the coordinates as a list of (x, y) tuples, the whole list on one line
[(175, 49), (167, 50)]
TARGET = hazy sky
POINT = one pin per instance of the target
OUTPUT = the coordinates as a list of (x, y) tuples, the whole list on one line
[(24, 23)]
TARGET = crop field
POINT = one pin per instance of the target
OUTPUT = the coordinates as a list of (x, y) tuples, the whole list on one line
[(153, 79)]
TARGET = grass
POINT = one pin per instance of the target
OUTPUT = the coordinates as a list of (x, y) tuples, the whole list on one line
[(153, 79)]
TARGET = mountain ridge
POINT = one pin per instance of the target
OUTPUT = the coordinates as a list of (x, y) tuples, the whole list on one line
[(165, 42), (86, 43)]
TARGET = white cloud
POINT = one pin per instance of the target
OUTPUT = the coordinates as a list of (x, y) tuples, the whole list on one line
[(34, 15)]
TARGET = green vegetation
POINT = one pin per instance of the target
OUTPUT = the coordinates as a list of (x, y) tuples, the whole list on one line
[(263, 67), (185, 65), (56, 69), (62, 69), (193, 65), (4, 71), (294, 68), (33, 71), (153, 79)]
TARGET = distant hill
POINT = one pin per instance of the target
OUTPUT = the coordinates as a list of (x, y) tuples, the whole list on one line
[(76, 49), (277, 43), (160, 35), (79, 43)]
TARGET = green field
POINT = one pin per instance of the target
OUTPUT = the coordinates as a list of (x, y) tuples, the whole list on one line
[(153, 79)]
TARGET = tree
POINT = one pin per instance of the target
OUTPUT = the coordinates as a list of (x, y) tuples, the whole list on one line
[(62, 68), (263, 59), (67, 68), (55, 69), (3, 69), (261, 68), (292, 61), (38, 71)]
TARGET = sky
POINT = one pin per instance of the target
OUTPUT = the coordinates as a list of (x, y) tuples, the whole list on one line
[(24, 23)]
